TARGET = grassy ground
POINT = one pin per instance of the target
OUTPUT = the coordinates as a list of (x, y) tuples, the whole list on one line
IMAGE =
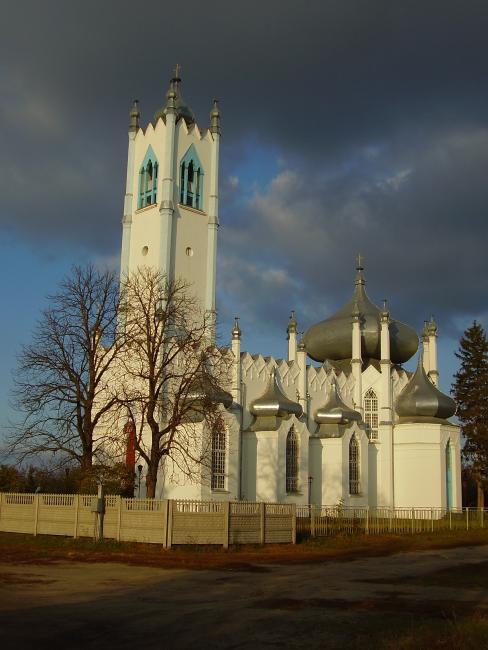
[(16, 548)]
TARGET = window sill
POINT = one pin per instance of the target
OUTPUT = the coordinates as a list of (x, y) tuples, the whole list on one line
[(190, 209), (356, 496), (146, 207), (219, 491)]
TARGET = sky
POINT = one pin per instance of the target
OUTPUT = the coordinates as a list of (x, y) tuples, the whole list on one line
[(347, 126)]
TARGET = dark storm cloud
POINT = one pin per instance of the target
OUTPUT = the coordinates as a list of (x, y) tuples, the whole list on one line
[(378, 109)]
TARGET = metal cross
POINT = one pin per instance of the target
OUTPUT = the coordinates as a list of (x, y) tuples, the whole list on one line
[(359, 262)]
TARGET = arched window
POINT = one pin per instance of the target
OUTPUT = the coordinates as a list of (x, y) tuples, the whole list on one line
[(354, 474), (448, 476), (191, 180), (371, 414), (292, 461), (218, 458), (148, 180)]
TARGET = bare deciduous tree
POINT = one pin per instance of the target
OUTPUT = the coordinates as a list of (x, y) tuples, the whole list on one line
[(60, 384), (173, 374)]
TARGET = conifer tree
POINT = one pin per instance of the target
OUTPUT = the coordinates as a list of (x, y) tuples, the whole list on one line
[(470, 390)]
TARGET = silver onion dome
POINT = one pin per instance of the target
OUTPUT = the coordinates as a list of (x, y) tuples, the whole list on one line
[(175, 102), (335, 411), (274, 403), (332, 338), (421, 401)]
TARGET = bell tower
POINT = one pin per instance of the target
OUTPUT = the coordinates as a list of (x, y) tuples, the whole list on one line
[(171, 217)]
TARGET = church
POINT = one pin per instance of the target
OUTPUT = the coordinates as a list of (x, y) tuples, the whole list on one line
[(339, 421)]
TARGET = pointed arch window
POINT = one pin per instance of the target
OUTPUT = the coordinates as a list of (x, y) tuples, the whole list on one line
[(218, 458), (354, 466), (292, 461), (191, 180), (371, 414), (148, 180)]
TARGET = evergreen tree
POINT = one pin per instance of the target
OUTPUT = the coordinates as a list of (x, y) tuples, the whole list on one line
[(470, 390)]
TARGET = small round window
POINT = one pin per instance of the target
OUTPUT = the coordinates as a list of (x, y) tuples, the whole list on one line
[(145, 250), (189, 251)]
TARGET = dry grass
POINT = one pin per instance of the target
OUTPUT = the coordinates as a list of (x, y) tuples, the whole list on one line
[(16, 548)]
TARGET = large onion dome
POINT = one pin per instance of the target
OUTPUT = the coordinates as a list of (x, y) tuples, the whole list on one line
[(421, 401), (175, 101), (332, 338)]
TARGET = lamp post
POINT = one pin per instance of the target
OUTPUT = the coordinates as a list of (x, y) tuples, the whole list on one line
[(310, 479), (139, 473)]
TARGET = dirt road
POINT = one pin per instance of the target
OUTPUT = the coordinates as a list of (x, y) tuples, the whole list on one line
[(328, 605)]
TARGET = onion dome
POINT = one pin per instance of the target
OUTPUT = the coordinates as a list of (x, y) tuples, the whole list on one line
[(292, 324), (274, 402), (421, 401), (335, 411), (432, 327), (175, 102), (215, 118), (236, 330), (202, 391), (332, 338), (134, 116)]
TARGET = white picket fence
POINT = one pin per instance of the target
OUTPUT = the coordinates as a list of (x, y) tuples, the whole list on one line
[(324, 521)]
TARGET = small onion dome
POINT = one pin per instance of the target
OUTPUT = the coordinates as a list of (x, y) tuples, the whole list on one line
[(421, 401), (134, 116), (332, 338), (335, 411), (292, 324), (432, 327), (175, 101), (236, 330), (274, 402)]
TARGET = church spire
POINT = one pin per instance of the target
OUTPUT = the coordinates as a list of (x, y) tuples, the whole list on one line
[(215, 117), (360, 268)]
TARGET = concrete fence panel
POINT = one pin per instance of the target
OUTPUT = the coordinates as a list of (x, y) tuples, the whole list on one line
[(198, 522)]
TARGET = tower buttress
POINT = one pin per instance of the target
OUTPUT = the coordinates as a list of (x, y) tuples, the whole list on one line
[(134, 116)]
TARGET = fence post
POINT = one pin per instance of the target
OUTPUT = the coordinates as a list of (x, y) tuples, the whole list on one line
[(312, 521), (226, 516), (482, 518), (450, 519), (413, 520), (432, 519), (293, 523), (262, 522), (467, 518), (119, 518), (77, 510), (169, 525), (36, 512), (366, 523)]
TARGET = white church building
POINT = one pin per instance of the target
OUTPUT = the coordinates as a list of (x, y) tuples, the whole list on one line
[(339, 420)]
